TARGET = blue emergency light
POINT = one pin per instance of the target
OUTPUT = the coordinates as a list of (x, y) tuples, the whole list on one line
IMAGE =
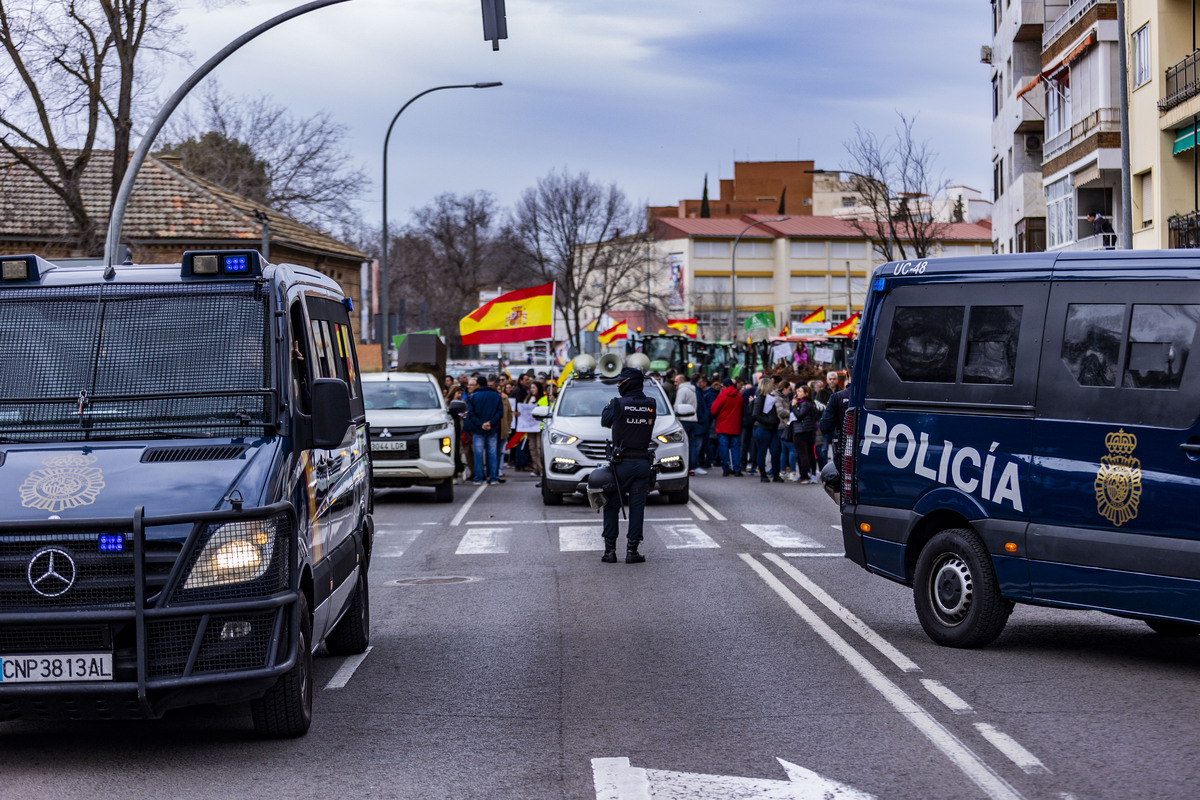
[(112, 543), (221, 264), (879, 285)]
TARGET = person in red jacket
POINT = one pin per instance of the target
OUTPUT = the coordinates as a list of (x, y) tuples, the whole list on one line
[(727, 421)]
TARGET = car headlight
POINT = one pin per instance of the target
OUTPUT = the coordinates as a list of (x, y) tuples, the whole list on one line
[(236, 552), (441, 426), (563, 438), (671, 436)]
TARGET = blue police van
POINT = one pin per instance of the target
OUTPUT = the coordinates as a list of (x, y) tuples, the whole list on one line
[(187, 494), (1023, 429)]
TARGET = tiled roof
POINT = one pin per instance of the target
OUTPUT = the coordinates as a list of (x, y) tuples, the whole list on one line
[(798, 228), (168, 204)]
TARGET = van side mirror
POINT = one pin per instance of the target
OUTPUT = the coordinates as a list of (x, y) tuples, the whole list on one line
[(458, 407), (331, 418), (541, 412)]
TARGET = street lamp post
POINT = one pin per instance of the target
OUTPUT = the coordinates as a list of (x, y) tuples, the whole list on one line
[(891, 224), (384, 302), (733, 275)]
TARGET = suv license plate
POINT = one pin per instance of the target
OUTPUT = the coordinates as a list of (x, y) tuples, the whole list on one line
[(400, 445), (56, 668)]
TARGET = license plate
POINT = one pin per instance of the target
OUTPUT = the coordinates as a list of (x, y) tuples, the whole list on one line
[(56, 668), (385, 445)]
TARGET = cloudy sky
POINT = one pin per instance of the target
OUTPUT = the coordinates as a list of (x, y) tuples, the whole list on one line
[(647, 94)]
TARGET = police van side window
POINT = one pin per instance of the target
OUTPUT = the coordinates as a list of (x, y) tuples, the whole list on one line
[(1160, 338), (1092, 342), (924, 341), (993, 333)]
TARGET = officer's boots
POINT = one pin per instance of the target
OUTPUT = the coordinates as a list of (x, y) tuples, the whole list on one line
[(610, 551), (632, 556)]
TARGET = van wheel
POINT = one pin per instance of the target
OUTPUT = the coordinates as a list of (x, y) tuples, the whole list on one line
[(550, 498), (1165, 627), (285, 711), (956, 592), (680, 498), (352, 634), (444, 491)]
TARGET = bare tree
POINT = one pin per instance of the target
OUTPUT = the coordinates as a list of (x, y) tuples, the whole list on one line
[(69, 83), (308, 170), (586, 237), (894, 179)]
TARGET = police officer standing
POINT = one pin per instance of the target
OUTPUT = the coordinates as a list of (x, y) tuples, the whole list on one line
[(631, 417)]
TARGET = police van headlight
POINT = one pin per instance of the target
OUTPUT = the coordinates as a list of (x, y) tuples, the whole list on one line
[(673, 436), (563, 438), (236, 552)]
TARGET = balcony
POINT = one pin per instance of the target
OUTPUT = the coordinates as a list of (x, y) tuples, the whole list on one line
[(1183, 82), (1097, 241), (1029, 25), (1073, 14), (1102, 120), (1185, 230)]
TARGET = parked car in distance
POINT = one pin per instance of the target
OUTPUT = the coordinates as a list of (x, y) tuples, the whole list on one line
[(412, 432)]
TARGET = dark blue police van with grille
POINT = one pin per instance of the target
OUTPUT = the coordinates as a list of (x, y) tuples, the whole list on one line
[(1023, 429), (186, 506)]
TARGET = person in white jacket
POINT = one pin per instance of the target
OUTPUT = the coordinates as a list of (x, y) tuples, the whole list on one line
[(685, 394)]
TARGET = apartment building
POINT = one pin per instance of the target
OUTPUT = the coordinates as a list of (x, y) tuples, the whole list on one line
[(1018, 126)]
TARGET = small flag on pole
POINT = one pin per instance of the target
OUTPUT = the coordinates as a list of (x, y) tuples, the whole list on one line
[(763, 319), (847, 328), (518, 316), (690, 327), (618, 331), (816, 316)]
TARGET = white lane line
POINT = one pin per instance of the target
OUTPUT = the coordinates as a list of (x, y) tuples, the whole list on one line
[(676, 537), (959, 754), (462, 512), (615, 779), (1024, 759), (949, 699), (700, 515), (707, 506), (346, 670), (393, 543), (857, 625), (573, 520), (815, 555), (782, 536), (480, 541), (836, 527), (580, 538)]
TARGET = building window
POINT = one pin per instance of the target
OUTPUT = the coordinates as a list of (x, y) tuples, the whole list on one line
[(997, 179), (711, 249), (712, 285), (1146, 180), (1141, 55), (755, 284), (1060, 213), (808, 284), (754, 249), (806, 249), (848, 202), (995, 95), (957, 250), (848, 249), (1058, 104)]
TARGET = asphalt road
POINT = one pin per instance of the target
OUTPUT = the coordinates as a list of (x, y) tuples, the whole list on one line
[(745, 658)]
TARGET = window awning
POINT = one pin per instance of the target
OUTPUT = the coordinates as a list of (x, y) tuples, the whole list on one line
[(1087, 175), (1185, 139), (1066, 60)]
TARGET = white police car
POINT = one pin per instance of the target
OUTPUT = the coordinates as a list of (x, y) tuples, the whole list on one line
[(573, 440), (412, 432)]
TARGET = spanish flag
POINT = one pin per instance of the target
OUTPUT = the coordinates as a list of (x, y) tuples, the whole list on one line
[(517, 316), (816, 316), (618, 331), (847, 328), (686, 326)]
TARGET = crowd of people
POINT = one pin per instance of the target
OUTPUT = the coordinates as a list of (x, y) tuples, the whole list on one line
[(778, 429)]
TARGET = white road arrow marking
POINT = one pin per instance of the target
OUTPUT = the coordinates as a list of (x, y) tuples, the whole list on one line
[(479, 541), (680, 536), (615, 779)]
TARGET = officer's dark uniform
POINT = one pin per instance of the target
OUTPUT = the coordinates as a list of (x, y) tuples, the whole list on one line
[(631, 417)]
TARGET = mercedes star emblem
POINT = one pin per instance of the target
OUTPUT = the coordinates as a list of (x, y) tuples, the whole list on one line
[(51, 572)]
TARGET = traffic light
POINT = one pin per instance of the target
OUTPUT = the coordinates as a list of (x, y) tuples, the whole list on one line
[(495, 27)]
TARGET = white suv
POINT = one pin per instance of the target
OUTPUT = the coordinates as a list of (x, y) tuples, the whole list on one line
[(573, 440), (412, 432)]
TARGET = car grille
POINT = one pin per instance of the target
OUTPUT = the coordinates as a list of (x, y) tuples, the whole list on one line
[(21, 640), (100, 579), (170, 643), (593, 449)]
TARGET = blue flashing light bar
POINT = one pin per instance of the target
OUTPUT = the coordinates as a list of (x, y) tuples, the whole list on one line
[(879, 285), (222, 264), (112, 543), (346, 301)]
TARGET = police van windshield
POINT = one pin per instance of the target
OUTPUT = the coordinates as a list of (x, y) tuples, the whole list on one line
[(393, 394), (135, 361), (588, 398)]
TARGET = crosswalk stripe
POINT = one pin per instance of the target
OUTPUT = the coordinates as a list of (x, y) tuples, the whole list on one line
[(695, 509), (580, 538), (683, 536), (480, 541), (391, 543), (781, 536)]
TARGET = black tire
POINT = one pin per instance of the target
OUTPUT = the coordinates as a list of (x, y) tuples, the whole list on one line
[(444, 491), (550, 498), (285, 711), (682, 497), (1164, 627), (352, 634), (956, 592)]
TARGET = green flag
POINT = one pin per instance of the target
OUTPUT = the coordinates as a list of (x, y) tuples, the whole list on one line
[(763, 319)]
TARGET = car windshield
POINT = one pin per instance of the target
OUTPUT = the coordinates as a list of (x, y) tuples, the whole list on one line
[(588, 398), (135, 360), (399, 394)]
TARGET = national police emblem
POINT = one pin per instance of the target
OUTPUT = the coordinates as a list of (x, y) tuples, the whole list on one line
[(67, 482), (1119, 481)]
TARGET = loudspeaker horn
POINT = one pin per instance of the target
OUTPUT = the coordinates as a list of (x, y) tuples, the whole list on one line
[(639, 361), (610, 365), (583, 364)]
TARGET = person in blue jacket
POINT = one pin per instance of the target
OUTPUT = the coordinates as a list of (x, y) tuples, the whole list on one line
[(484, 413)]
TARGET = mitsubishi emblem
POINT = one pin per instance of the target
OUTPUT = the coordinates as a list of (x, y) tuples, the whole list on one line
[(385, 434)]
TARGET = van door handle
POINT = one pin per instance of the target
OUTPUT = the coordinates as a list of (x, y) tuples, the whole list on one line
[(1190, 448)]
